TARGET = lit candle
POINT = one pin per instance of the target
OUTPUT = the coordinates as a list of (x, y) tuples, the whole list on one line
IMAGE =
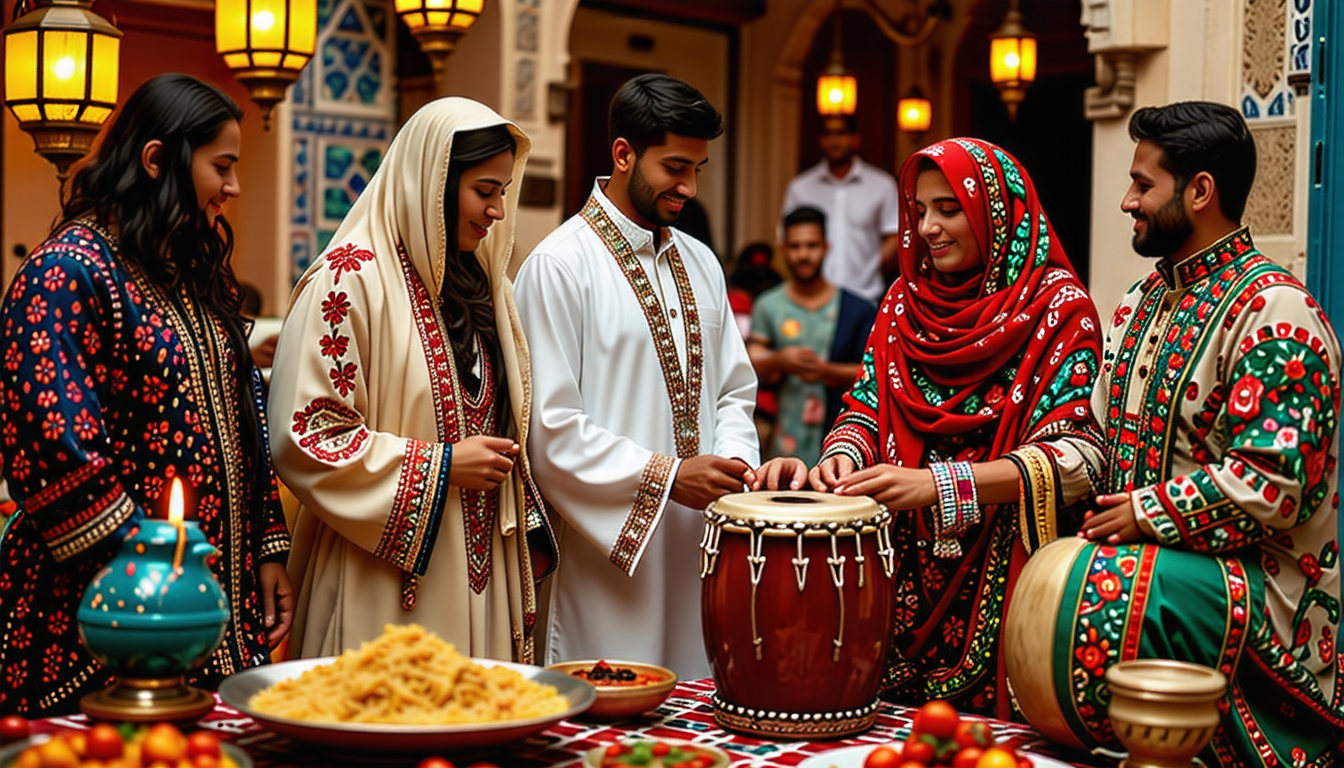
[(175, 515)]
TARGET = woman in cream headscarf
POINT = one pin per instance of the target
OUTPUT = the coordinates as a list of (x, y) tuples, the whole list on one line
[(400, 398)]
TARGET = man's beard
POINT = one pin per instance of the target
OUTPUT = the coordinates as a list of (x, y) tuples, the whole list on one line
[(645, 201), (804, 273), (1168, 229)]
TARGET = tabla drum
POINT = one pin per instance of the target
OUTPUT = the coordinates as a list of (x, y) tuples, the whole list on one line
[(797, 603)]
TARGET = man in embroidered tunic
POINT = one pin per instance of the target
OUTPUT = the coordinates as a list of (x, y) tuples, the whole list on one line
[(642, 387), (1219, 400)]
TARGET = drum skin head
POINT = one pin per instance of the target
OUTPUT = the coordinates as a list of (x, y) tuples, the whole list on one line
[(775, 507)]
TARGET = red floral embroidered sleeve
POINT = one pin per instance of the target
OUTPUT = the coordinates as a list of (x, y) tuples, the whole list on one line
[(1279, 419), (383, 492), (59, 330)]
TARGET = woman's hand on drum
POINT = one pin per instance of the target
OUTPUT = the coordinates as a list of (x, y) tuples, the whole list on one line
[(1113, 521), (829, 472), (482, 462), (779, 472), (891, 486)]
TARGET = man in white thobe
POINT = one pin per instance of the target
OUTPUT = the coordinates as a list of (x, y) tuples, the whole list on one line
[(642, 391)]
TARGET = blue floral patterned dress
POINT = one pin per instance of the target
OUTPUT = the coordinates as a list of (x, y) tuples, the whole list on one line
[(109, 388)]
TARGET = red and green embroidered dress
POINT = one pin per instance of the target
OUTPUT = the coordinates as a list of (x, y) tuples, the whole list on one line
[(996, 363)]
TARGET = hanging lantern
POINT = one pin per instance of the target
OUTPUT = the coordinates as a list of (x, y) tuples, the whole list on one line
[(61, 63), (1012, 59), (266, 43), (914, 113), (438, 24), (837, 90)]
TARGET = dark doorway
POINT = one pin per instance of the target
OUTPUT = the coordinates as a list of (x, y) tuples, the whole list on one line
[(871, 58), (587, 153), (1051, 137)]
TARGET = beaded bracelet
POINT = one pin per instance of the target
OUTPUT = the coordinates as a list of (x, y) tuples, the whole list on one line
[(945, 521), (968, 502)]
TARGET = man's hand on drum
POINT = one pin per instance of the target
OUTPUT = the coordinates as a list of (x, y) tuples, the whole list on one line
[(1113, 520), (703, 479), (891, 486), (780, 472)]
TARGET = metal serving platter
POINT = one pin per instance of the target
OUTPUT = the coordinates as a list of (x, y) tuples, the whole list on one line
[(238, 689)]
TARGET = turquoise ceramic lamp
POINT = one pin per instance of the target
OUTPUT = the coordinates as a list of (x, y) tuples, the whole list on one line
[(153, 614)]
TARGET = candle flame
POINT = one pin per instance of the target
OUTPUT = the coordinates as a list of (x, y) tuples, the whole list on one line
[(175, 513)]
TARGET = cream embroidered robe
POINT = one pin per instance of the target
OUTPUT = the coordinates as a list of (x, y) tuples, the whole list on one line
[(367, 404), (603, 443)]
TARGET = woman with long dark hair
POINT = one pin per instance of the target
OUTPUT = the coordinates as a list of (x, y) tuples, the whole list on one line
[(401, 379), (126, 366)]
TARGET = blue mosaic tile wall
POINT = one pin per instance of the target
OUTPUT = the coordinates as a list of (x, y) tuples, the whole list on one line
[(344, 109)]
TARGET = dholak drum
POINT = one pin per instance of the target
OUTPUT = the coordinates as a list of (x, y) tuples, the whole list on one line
[(796, 599), (1080, 608)]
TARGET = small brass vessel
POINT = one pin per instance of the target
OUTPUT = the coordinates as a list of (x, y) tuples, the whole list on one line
[(1164, 712)]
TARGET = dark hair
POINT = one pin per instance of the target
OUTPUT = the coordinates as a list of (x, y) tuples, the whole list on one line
[(251, 304), (694, 221), (805, 214), (160, 225), (851, 122), (650, 106), (752, 271), (1198, 136), (468, 305)]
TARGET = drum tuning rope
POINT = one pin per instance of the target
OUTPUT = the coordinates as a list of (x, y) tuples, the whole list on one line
[(859, 559), (800, 563), (709, 548), (757, 563), (837, 563)]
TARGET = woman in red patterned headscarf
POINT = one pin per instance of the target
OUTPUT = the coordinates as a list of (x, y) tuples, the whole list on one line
[(970, 413)]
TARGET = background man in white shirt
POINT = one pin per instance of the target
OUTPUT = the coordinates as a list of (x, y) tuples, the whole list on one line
[(642, 390), (861, 207)]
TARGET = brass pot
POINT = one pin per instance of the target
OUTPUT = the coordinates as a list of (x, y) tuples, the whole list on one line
[(1164, 712)]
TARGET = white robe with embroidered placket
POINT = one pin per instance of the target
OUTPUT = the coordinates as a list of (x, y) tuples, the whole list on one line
[(603, 442)]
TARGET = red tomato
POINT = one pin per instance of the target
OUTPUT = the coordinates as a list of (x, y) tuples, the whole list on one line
[(938, 719), (910, 764), (700, 761), (918, 750), (103, 743), (661, 748), (882, 757), (967, 757), (615, 750), (974, 733), (434, 762), (1025, 762), (205, 761), (997, 757), (13, 728), (202, 743)]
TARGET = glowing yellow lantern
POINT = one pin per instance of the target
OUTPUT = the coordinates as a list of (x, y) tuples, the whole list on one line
[(266, 43), (438, 24), (837, 90), (61, 63), (1012, 59), (914, 113)]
